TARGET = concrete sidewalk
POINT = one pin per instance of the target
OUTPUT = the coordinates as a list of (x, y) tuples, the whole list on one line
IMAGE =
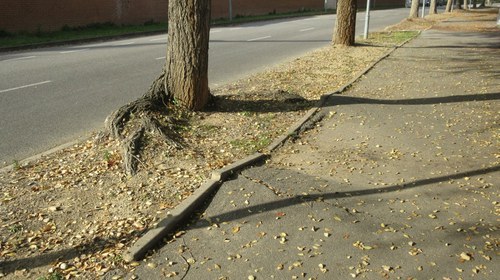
[(398, 181)]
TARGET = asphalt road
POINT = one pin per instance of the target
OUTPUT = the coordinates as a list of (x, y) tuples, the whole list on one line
[(51, 96)]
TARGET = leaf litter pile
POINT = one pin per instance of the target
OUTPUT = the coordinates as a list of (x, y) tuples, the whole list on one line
[(74, 212)]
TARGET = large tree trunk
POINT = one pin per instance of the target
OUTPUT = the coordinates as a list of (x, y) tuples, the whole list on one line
[(433, 8), (345, 26), (187, 52), (183, 81), (414, 9), (448, 6)]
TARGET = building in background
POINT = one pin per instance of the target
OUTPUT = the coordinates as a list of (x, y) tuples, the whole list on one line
[(52, 15)]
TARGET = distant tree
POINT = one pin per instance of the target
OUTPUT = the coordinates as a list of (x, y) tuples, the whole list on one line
[(433, 7), (183, 83), (414, 9), (448, 6), (458, 5), (345, 25)]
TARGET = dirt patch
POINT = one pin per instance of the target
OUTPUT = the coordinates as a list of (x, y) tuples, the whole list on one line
[(481, 20), (484, 20), (74, 212)]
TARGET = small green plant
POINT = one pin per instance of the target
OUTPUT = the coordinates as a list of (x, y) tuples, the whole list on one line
[(245, 113), (175, 102), (52, 276), (118, 258), (107, 155), (111, 159), (15, 228), (16, 165), (208, 128), (251, 145)]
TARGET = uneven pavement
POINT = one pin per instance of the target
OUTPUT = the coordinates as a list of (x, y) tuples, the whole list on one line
[(399, 180)]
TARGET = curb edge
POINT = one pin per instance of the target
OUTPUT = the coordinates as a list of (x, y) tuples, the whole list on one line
[(186, 208), (278, 142)]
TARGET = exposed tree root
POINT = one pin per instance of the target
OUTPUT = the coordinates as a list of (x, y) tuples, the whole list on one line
[(131, 123), (131, 149)]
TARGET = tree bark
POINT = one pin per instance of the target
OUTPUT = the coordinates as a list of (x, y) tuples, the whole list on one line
[(345, 26), (183, 80), (186, 77), (433, 8), (414, 9), (448, 6)]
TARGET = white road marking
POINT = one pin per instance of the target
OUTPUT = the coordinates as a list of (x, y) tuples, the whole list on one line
[(92, 45), (307, 29), (260, 38), (73, 51), (215, 31), (25, 86), (235, 28), (160, 58), (124, 44), (158, 39), (20, 58)]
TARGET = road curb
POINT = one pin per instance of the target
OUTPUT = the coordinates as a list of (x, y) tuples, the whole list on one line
[(278, 142), (223, 173), (81, 41), (186, 208), (28, 160), (171, 222)]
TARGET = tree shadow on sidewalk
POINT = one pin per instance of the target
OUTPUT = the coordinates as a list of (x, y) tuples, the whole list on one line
[(298, 199), (347, 100), (287, 102)]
